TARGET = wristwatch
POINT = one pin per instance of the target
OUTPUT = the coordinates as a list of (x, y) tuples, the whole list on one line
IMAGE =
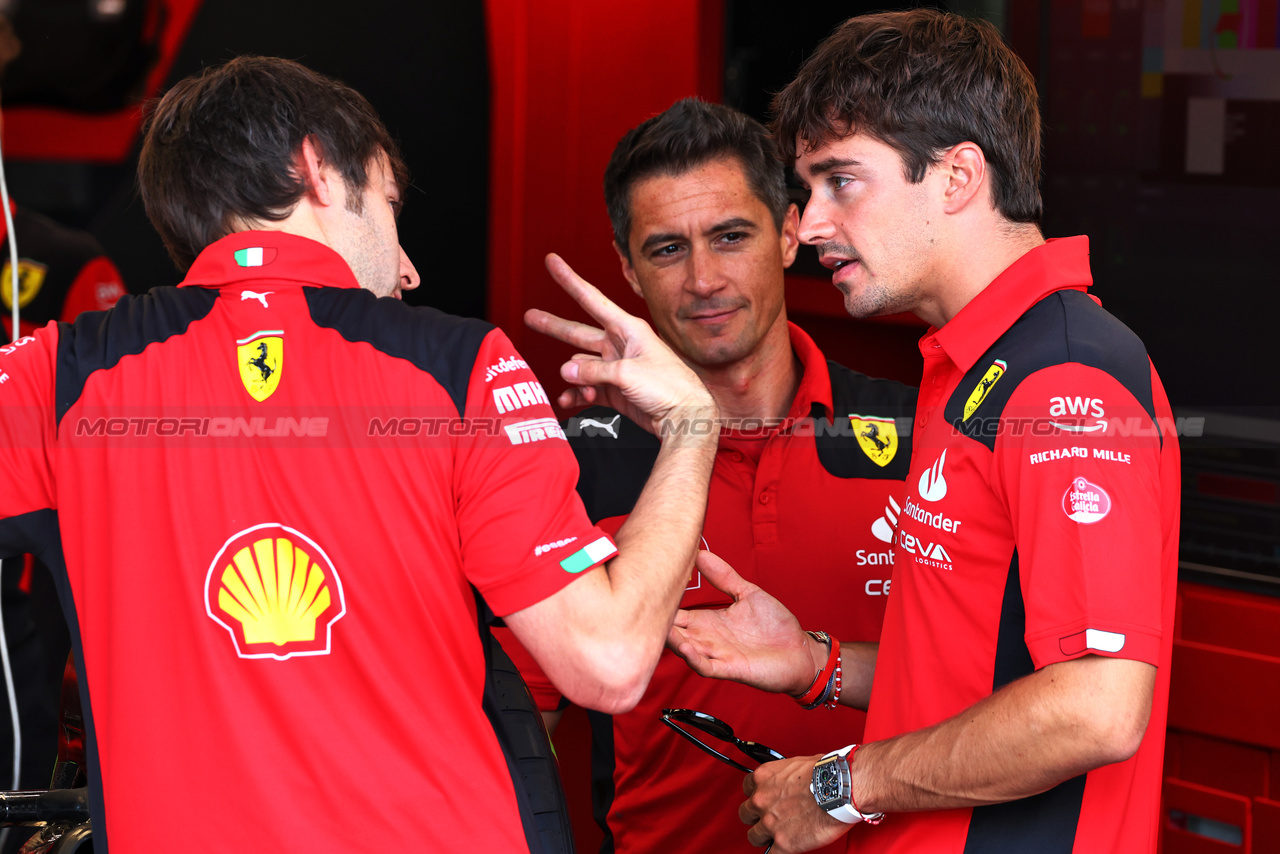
[(832, 788)]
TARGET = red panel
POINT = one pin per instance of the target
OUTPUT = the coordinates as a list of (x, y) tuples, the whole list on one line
[(1225, 693), (1266, 825), (1238, 488), (44, 133), (573, 750), (1206, 802), (568, 79), (1243, 621), (1222, 765)]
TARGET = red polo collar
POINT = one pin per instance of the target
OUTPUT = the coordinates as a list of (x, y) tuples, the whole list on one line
[(276, 255), (1058, 264), (815, 382)]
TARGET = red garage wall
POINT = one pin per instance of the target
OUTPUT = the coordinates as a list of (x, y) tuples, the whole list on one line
[(568, 78)]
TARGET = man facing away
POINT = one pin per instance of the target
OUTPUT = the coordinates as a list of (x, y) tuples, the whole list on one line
[(1021, 682), (282, 617), (809, 464)]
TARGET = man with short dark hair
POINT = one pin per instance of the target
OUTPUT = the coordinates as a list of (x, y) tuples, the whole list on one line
[(810, 463), (1021, 682), (326, 490)]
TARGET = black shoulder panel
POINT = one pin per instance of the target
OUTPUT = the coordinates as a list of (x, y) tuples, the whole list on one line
[(98, 340), (1066, 326), (615, 456), (437, 343), (839, 449)]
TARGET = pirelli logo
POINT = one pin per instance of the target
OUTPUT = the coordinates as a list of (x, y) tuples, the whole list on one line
[(523, 432)]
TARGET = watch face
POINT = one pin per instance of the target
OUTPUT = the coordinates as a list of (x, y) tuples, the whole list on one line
[(826, 782)]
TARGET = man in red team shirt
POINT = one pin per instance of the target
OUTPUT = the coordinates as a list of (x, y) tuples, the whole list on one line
[(275, 499), (704, 231), (1017, 699)]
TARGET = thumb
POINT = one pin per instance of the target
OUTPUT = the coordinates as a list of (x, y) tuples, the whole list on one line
[(721, 576)]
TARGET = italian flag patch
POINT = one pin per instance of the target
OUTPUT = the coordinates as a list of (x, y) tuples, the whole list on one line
[(589, 555), (255, 256)]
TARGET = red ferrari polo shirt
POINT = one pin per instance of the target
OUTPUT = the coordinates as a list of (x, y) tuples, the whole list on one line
[(1040, 524), (804, 509), (277, 494)]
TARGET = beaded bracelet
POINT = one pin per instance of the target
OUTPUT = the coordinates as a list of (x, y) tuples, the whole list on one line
[(823, 682)]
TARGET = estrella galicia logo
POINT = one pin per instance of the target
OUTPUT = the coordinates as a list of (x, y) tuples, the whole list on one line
[(933, 485)]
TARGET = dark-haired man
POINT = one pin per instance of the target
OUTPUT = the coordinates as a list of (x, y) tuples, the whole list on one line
[(810, 461), (1021, 683), (283, 616)]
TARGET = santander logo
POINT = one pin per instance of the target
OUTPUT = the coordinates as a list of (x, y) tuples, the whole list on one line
[(933, 486)]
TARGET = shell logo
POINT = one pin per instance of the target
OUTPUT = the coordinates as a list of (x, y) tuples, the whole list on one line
[(276, 591)]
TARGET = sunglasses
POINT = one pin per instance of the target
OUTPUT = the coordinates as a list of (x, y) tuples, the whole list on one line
[(684, 720)]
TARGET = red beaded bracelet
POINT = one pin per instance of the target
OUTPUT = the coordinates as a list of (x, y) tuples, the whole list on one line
[(873, 818), (821, 683)]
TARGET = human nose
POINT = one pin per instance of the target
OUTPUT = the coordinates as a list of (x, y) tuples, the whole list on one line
[(409, 278), (815, 224), (705, 277)]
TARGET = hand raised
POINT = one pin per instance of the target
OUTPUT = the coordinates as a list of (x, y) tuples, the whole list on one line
[(756, 640), (625, 364)]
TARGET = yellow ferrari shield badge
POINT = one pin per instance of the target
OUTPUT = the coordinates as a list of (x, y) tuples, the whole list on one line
[(261, 358), (878, 437), (995, 372), (30, 279)]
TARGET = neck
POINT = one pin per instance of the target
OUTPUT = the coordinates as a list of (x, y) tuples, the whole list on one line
[(761, 385), (978, 257)]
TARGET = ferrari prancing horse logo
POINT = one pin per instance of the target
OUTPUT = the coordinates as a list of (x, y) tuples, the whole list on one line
[(877, 436), (261, 358)]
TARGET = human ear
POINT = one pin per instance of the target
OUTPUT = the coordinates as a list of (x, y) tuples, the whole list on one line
[(965, 170), (319, 176), (790, 235), (628, 272)]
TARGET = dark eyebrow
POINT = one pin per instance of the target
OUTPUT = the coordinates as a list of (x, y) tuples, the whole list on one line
[(831, 163), (737, 223)]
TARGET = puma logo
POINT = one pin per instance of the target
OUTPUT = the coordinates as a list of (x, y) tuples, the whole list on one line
[(608, 428), (262, 298)]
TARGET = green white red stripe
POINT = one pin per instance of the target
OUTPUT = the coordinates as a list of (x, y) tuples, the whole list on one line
[(255, 256), (589, 555)]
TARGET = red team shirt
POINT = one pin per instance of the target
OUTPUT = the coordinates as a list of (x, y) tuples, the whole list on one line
[(275, 493), (1040, 524), (806, 512)]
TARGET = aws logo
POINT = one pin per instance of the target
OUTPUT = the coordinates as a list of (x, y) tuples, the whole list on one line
[(1060, 406), (276, 592)]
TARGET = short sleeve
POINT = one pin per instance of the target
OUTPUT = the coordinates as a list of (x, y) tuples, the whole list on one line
[(524, 532), (1079, 460), (27, 436)]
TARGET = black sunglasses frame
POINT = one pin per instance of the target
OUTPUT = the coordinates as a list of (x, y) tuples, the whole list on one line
[(716, 728)]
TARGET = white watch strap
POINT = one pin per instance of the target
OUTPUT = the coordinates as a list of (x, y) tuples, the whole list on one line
[(845, 812)]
